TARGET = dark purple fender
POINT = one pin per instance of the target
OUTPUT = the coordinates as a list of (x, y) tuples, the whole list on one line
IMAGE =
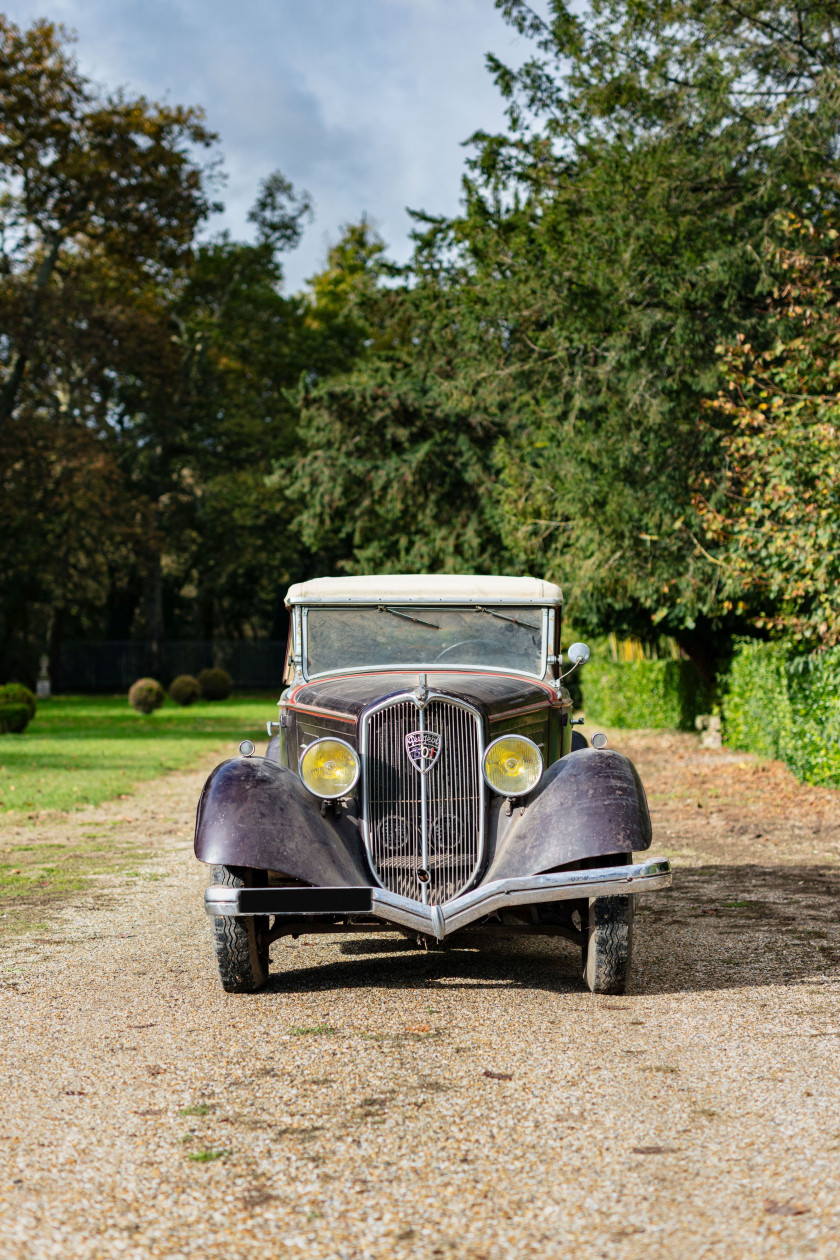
[(589, 804), (257, 813)]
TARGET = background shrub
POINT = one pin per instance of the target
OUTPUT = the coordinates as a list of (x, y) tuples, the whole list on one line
[(14, 718), (215, 684), (145, 695), (184, 689), (643, 693), (756, 700), (782, 703), (16, 693)]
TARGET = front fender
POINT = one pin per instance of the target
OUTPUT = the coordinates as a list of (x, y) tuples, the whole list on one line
[(589, 804), (257, 813)]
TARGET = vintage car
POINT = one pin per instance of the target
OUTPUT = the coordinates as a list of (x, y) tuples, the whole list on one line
[(424, 777)]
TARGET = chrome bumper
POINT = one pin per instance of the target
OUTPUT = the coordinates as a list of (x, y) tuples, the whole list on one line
[(439, 921)]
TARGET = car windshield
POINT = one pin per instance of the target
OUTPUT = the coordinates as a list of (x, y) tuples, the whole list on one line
[(364, 638)]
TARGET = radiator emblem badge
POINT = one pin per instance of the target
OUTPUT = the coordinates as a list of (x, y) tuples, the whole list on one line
[(423, 748)]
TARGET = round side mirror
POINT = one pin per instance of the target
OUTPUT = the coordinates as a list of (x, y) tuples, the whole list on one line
[(578, 654)]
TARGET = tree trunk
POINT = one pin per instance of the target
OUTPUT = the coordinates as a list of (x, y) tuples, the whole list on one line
[(20, 358), (702, 648), (56, 639), (154, 618), (206, 611)]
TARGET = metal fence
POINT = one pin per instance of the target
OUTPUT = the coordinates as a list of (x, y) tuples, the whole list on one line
[(253, 664)]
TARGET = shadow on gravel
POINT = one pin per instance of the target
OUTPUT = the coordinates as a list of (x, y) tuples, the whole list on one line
[(718, 928), (731, 927)]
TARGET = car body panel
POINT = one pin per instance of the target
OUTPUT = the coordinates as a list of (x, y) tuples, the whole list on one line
[(255, 812), (589, 804), (508, 704), (345, 696)]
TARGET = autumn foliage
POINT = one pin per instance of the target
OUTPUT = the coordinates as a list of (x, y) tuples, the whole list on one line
[(771, 514)]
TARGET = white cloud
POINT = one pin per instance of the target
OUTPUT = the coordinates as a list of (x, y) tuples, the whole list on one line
[(366, 105)]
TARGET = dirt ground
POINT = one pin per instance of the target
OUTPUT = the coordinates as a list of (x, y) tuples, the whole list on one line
[(377, 1102)]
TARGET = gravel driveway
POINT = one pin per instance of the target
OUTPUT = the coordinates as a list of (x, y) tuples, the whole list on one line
[(380, 1101)]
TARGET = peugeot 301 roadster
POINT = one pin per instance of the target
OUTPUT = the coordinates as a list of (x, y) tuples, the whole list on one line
[(425, 777)]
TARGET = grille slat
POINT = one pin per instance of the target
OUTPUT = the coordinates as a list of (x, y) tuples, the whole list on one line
[(454, 799)]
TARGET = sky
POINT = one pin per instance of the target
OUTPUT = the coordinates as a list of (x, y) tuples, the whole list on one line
[(365, 104)]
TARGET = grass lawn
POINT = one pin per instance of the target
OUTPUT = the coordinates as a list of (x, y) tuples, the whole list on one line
[(81, 750)]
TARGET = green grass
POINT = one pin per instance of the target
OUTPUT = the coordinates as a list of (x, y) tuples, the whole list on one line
[(207, 1156), (82, 750)]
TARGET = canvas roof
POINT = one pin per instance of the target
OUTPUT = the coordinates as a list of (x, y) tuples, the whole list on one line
[(426, 588)]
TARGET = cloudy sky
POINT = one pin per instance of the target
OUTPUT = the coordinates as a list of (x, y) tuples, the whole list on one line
[(364, 103)]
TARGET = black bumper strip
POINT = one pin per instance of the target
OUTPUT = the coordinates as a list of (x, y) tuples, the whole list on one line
[(305, 900)]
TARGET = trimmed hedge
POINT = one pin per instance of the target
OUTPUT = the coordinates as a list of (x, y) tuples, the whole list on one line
[(782, 703), (644, 693), (215, 684), (184, 690), (145, 695), (16, 693), (14, 718)]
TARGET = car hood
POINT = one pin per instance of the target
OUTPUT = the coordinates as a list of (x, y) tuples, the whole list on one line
[(498, 694)]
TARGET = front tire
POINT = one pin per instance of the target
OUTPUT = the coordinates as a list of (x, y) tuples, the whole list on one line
[(608, 943), (241, 945)]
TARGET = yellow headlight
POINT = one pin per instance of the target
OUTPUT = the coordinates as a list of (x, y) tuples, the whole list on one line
[(329, 768), (513, 765)]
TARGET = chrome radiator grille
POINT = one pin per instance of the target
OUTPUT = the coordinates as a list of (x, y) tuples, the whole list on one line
[(408, 837)]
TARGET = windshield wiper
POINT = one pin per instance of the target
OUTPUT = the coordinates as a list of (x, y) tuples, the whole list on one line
[(502, 617), (395, 612)]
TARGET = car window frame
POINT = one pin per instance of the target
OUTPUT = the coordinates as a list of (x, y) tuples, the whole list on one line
[(550, 621)]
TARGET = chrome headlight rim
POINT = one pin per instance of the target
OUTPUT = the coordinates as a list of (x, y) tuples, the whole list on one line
[(345, 791), (501, 791)]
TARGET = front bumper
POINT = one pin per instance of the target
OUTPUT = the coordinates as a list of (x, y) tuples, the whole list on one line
[(439, 921)]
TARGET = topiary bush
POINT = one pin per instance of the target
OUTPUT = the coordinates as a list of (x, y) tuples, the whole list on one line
[(16, 693), (14, 718), (643, 693), (215, 684), (184, 690), (145, 695)]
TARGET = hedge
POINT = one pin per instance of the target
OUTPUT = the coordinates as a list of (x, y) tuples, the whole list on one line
[(16, 693), (643, 693), (14, 718), (215, 684), (145, 695), (184, 690), (781, 703)]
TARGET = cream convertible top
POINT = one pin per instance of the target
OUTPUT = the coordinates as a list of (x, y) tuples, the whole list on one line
[(425, 588)]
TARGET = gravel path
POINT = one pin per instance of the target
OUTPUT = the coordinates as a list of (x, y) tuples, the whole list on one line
[(381, 1102)]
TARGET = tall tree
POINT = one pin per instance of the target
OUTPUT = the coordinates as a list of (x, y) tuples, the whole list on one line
[(616, 234), (100, 198), (80, 170), (612, 236), (396, 456), (772, 512)]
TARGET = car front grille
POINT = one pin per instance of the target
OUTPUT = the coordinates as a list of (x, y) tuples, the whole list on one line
[(449, 848)]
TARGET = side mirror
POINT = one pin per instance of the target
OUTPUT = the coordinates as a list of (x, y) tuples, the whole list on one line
[(578, 654)]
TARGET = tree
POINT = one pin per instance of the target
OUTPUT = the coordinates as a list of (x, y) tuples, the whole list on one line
[(611, 239), (538, 376), (200, 411), (395, 455), (82, 171), (100, 197), (772, 513)]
